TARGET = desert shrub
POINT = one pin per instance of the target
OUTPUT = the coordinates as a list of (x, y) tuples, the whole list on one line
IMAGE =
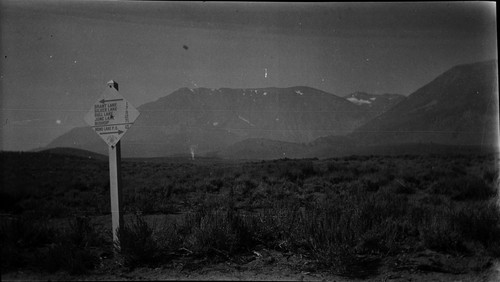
[(206, 187), (436, 171), (337, 233), (228, 181), (332, 166), (29, 242), (143, 244), (399, 186), (490, 175), (168, 238), (439, 232), (82, 233), (296, 170), (137, 244), (26, 232), (372, 182), (479, 223), (152, 200), (285, 191), (314, 184), (144, 202), (275, 225), (75, 248), (218, 183), (466, 187), (216, 232), (245, 184), (55, 208), (340, 176), (371, 166), (20, 237), (260, 196), (460, 229), (341, 231)]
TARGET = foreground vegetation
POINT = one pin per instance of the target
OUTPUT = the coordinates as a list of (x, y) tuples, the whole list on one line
[(348, 215)]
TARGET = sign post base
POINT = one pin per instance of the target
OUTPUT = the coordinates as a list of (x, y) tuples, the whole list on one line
[(115, 192)]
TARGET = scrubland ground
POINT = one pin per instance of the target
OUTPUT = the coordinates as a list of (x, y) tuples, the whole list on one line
[(432, 218)]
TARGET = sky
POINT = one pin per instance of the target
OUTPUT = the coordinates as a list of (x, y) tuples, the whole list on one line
[(56, 56)]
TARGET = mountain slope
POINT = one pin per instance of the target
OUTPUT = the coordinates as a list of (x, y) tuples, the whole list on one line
[(455, 113), (459, 107), (208, 120)]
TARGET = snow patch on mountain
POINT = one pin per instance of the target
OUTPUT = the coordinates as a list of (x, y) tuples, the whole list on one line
[(357, 101)]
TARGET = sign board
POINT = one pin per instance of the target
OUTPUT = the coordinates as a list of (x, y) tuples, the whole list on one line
[(111, 116)]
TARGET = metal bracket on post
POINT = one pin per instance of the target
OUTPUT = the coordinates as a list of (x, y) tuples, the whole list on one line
[(113, 84)]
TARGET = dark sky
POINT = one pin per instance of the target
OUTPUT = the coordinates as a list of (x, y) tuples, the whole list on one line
[(58, 55)]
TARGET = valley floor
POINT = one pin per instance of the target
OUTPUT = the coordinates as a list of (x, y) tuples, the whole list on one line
[(374, 218)]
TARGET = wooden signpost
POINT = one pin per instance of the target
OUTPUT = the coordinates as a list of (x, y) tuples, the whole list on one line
[(110, 117)]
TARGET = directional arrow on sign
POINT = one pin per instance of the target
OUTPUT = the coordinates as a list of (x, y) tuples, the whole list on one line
[(112, 132), (111, 100)]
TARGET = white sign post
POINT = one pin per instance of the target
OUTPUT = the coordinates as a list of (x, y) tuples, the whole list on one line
[(110, 117)]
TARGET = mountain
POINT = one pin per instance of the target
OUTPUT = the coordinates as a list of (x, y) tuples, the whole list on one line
[(459, 107), (206, 120), (375, 104)]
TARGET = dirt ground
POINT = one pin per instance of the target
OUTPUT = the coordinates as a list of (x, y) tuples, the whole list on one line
[(272, 266), (222, 273)]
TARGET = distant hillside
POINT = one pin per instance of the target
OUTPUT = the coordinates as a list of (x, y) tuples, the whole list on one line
[(459, 107), (75, 152)]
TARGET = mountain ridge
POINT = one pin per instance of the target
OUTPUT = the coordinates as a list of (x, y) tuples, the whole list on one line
[(208, 120)]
